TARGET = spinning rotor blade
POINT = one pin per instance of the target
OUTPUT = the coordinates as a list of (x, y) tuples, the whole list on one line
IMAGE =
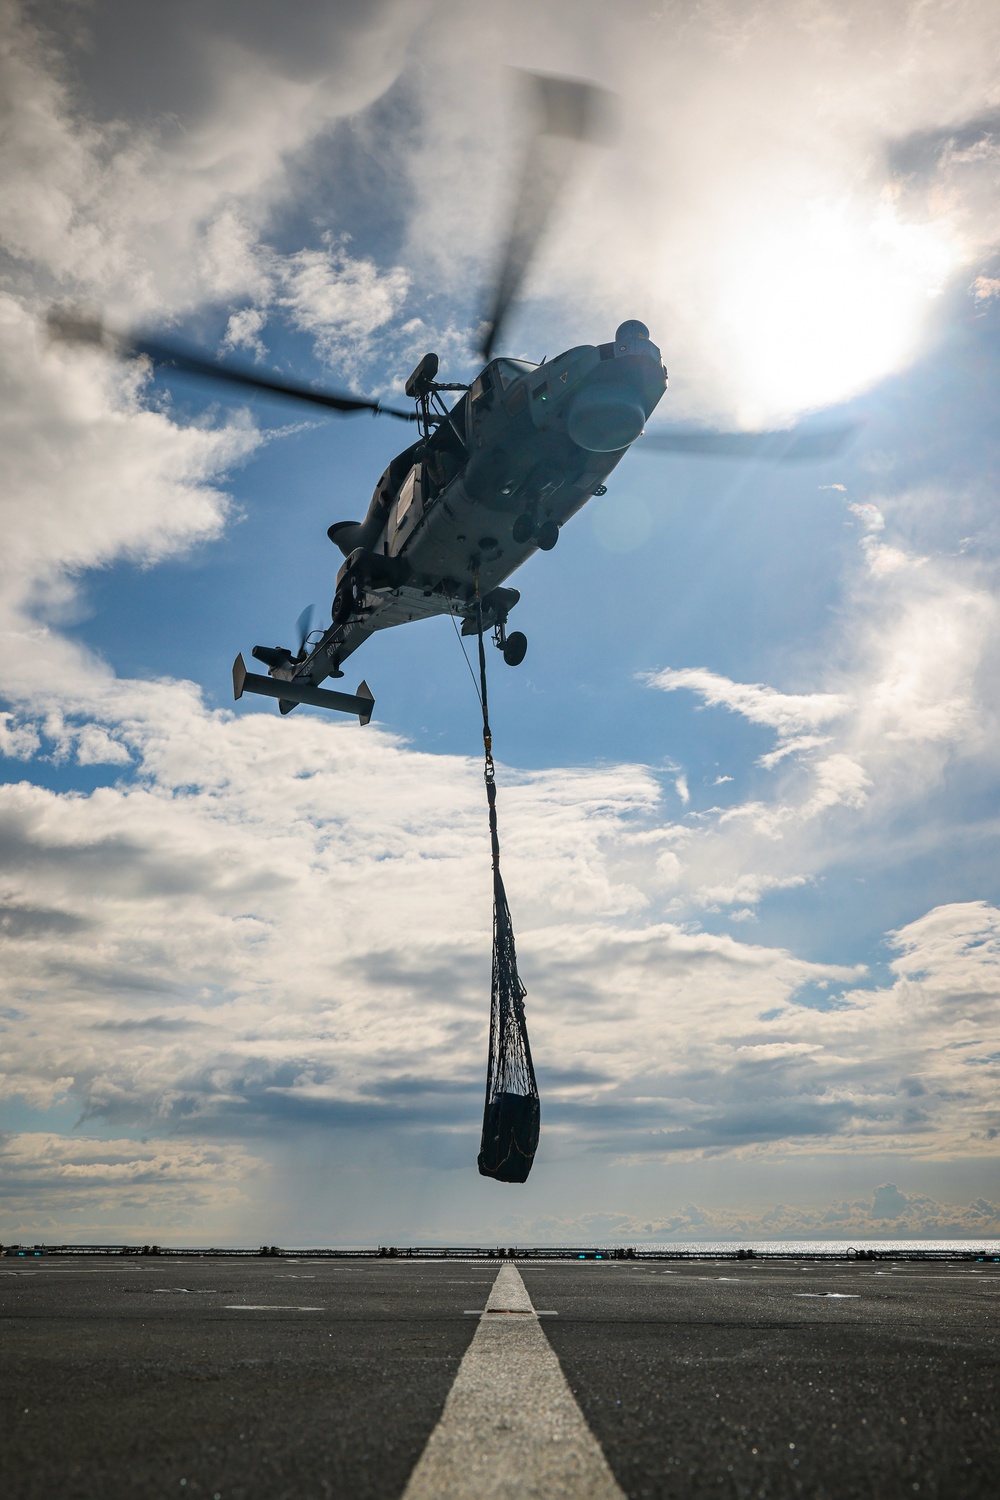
[(67, 325), (568, 113), (304, 627), (787, 446)]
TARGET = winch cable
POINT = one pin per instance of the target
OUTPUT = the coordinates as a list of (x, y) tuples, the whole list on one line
[(465, 653), (511, 1113), (489, 774)]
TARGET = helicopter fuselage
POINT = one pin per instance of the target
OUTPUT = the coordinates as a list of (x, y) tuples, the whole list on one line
[(489, 482)]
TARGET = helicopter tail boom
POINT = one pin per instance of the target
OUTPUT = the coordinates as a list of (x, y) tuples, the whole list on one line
[(361, 703)]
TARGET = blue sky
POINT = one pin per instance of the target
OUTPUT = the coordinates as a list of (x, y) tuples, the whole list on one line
[(749, 768)]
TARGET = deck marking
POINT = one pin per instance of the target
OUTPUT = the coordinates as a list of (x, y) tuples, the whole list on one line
[(841, 1296), (522, 1312), (511, 1426)]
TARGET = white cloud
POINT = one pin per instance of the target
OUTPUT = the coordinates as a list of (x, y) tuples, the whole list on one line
[(880, 558), (75, 1187), (794, 746), (19, 741), (244, 329), (342, 300), (210, 949), (787, 256), (786, 712), (863, 1221), (148, 218), (883, 560), (339, 298), (746, 888), (96, 747), (907, 706), (868, 514), (76, 441), (840, 782)]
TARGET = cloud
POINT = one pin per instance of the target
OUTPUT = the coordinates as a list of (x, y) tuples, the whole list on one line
[(76, 439), (340, 299), (881, 559), (786, 712), (869, 515), (904, 707), (220, 962), (148, 217), (889, 1214), (50, 1182), (244, 328), (889, 1202), (150, 221), (792, 262), (17, 741), (844, 1222)]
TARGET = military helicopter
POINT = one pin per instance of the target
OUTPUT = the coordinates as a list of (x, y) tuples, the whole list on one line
[(490, 479)]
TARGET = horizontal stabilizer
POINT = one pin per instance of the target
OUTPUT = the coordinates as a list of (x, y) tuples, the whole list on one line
[(361, 703)]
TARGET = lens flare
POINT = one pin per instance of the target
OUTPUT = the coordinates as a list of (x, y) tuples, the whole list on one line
[(821, 305)]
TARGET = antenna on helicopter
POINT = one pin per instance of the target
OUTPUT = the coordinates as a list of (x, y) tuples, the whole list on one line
[(423, 389)]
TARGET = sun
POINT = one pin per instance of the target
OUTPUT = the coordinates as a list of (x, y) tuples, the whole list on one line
[(820, 303)]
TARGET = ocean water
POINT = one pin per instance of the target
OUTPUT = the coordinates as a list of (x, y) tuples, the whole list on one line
[(824, 1247)]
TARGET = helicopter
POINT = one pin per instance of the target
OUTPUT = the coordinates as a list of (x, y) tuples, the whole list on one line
[(490, 479), (487, 483)]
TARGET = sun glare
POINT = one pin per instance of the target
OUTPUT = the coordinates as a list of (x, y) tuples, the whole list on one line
[(818, 307)]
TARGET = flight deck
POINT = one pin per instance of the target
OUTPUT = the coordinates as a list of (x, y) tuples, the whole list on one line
[(236, 1378)]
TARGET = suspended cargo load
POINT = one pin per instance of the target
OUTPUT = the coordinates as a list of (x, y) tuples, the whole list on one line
[(510, 1137), (511, 1116)]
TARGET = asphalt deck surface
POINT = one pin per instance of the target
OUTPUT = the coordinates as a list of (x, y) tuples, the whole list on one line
[(271, 1378)]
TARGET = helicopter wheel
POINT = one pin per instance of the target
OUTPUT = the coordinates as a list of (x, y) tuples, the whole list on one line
[(547, 535), (514, 648), (523, 529), (346, 600)]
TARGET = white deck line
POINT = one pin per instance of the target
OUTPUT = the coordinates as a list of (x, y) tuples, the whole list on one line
[(511, 1428)]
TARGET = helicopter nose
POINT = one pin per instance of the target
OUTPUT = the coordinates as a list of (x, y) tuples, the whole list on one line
[(603, 420)]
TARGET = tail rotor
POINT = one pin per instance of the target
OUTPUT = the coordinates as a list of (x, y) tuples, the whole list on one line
[(305, 626)]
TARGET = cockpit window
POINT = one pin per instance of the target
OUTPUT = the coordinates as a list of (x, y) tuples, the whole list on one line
[(510, 370)]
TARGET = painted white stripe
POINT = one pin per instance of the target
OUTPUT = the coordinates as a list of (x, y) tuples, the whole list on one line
[(511, 1429)]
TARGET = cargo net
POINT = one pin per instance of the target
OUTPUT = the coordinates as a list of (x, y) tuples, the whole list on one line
[(511, 1114)]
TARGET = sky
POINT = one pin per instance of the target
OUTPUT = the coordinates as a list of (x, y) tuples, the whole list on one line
[(749, 769)]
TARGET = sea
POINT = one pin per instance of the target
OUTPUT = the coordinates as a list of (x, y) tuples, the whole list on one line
[(990, 1247)]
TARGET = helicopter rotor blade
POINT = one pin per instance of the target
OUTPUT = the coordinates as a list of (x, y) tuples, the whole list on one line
[(567, 113), (71, 326), (783, 446)]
